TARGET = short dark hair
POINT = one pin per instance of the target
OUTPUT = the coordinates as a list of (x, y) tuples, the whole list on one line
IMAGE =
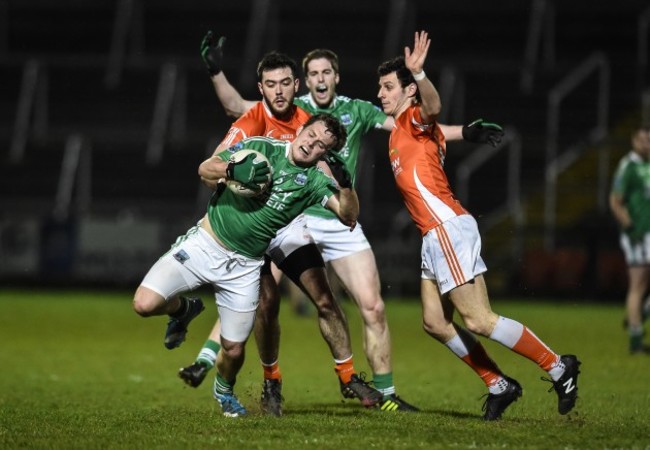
[(404, 76), (276, 60), (334, 126), (318, 54)]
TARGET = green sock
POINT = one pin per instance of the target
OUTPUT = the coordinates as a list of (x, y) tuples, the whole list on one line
[(221, 386), (208, 354), (384, 383)]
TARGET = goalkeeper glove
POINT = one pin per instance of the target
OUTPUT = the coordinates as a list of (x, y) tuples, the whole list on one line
[(483, 132), (212, 53), (338, 169), (248, 172)]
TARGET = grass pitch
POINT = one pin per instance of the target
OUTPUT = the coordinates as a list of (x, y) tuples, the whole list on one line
[(82, 370)]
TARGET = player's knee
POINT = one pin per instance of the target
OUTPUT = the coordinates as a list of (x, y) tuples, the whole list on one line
[(478, 325), (373, 311), (232, 350), (325, 303), (269, 306), (143, 304), (434, 328)]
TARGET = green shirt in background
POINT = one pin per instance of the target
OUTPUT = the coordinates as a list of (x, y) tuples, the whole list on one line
[(632, 183)]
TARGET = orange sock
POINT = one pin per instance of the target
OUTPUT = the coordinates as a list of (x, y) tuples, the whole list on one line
[(272, 371), (469, 349), (344, 369), (482, 364), (534, 349)]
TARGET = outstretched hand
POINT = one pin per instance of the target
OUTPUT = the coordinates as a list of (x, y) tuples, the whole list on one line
[(483, 132), (414, 60), (212, 53)]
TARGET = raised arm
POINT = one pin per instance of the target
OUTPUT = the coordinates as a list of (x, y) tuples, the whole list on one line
[(478, 131), (414, 60), (212, 55)]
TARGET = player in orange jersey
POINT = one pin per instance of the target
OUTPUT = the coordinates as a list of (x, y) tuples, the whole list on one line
[(452, 267)]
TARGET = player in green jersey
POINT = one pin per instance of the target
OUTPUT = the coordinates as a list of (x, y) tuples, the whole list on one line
[(630, 204), (226, 248), (292, 250), (348, 253)]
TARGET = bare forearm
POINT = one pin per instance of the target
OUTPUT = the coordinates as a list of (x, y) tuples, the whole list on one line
[(431, 105), (348, 206), (232, 101), (212, 171), (452, 132), (620, 212)]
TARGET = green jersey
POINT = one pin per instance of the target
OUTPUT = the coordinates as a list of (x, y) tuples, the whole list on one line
[(632, 183), (247, 224), (358, 117)]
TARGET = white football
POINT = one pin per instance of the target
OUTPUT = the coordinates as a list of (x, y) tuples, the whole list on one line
[(236, 186)]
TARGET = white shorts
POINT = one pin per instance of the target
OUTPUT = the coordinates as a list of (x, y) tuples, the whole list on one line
[(637, 253), (451, 253), (196, 259), (335, 240), (288, 239)]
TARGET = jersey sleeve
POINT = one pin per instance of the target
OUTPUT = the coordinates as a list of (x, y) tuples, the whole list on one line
[(372, 116), (619, 182), (254, 143), (246, 126), (324, 187)]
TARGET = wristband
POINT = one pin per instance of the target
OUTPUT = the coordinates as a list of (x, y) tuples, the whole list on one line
[(419, 76)]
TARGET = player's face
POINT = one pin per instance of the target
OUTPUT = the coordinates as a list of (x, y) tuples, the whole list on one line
[(310, 144), (321, 80), (278, 87), (394, 99)]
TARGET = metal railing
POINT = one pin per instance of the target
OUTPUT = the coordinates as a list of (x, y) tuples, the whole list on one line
[(642, 46), (128, 22), (4, 28), (645, 107), (75, 173), (451, 88), (541, 31), (32, 103), (512, 206), (263, 24), (170, 111), (397, 23), (597, 64)]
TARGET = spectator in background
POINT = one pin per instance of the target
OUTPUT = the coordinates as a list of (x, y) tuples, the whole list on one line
[(629, 201)]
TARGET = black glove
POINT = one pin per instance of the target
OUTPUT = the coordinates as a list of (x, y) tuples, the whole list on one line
[(248, 172), (212, 53), (483, 132), (337, 167)]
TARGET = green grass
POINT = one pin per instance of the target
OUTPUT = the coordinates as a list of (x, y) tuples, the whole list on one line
[(81, 370)]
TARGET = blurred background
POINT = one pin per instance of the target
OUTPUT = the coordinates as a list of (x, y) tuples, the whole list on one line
[(106, 111)]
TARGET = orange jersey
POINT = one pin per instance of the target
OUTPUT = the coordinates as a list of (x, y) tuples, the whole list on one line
[(259, 121), (417, 156)]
